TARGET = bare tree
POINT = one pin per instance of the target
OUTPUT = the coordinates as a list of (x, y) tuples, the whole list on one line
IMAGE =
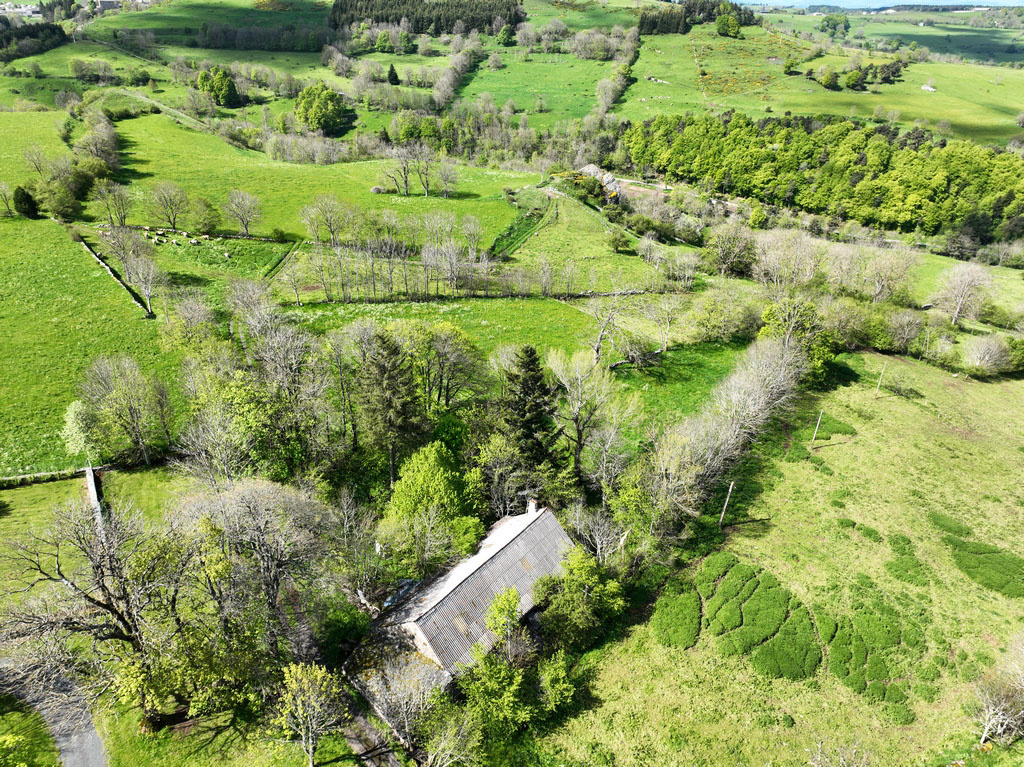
[(729, 249), (168, 202), (905, 326), (128, 246), (448, 175), (608, 453), (116, 200), (785, 261), (211, 449), (586, 387), (36, 157), (116, 389), (964, 289), (6, 198), (243, 208), (987, 355), (146, 276), (423, 159), (597, 530), (400, 169), (664, 312)]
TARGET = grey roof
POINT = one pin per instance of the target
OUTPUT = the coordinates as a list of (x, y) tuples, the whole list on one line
[(451, 611)]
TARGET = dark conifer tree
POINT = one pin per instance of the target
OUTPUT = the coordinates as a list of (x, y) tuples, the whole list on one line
[(529, 409), (393, 76)]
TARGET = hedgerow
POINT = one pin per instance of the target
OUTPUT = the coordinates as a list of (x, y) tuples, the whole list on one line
[(676, 618), (989, 566), (949, 525)]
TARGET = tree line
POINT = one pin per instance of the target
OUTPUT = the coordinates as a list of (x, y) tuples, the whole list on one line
[(871, 174), (444, 16), (679, 18), (28, 39)]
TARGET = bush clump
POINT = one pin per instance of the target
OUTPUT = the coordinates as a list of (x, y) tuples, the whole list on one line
[(676, 618), (870, 533), (989, 566), (845, 523), (900, 713), (949, 525), (793, 653)]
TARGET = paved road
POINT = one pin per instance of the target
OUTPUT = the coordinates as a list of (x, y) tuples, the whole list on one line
[(72, 727)]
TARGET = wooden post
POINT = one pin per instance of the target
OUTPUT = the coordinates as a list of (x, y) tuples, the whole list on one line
[(879, 385), (726, 506), (820, 413)]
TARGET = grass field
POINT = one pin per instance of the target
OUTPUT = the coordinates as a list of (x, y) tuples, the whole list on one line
[(156, 148), (59, 310), (943, 35), (20, 130), (979, 102), (566, 83), (584, 14), (653, 704), (1007, 284), (574, 237), (183, 18)]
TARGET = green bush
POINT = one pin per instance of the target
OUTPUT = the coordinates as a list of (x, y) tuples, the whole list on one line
[(763, 614), (875, 692), (989, 566), (676, 618), (711, 570), (826, 625), (928, 672), (870, 533), (926, 692), (895, 693), (949, 525), (900, 713), (876, 669), (846, 523), (793, 653), (901, 544)]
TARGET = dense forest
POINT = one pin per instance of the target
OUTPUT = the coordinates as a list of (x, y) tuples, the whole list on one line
[(680, 17), (868, 173), (434, 18), (27, 40)]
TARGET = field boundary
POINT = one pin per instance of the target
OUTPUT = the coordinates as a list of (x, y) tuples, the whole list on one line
[(117, 279)]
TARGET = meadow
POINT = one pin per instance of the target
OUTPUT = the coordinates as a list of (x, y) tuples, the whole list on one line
[(566, 84), (21, 130), (183, 18), (978, 102), (938, 32), (1007, 287), (59, 310), (155, 148), (879, 486)]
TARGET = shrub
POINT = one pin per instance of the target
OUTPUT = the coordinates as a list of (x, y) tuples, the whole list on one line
[(989, 566), (870, 533), (676, 618), (949, 525), (793, 653), (24, 203), (909, 569), (845, 523), (711, 570), (900, 713), (926, 692), (278, 235), (826, 625), (760, 616), (987, 356)]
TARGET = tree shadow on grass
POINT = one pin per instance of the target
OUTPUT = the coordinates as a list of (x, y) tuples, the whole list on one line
[(187, 280), (5, 509), (129, 170)]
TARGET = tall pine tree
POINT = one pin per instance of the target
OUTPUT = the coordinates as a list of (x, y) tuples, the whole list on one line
[(389, 411), (529, 409)]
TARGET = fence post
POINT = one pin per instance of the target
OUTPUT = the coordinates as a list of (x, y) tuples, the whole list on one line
[(726, 506)]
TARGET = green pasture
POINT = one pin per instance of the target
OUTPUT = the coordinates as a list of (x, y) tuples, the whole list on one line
[(21, 130), (155, 148), (566, 83), (584, 14), (59, 310), (945, 33), (1007, 287), (979, 102), (184, 18), (874, 497), (573, 241)]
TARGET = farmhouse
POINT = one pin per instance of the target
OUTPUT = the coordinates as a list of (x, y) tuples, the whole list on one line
[(425, 641)]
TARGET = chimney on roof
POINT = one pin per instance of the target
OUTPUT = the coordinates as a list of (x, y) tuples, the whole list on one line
[(531, 506)]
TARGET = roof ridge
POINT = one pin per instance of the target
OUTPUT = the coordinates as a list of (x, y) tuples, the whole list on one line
[(483, 562)]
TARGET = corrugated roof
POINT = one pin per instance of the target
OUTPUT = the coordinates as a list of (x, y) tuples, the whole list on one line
[(517, 552)]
